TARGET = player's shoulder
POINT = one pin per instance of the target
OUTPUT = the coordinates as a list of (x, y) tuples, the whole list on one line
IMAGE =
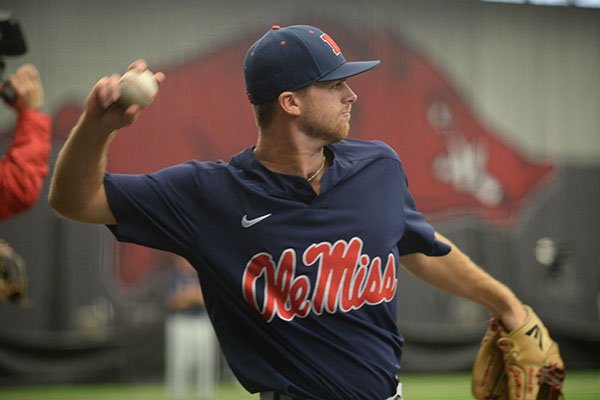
[(197, 167), (365, 149), (191, 172)]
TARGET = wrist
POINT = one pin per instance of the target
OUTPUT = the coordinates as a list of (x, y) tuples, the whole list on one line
[(29, 110), (513, 317), (93, 128)]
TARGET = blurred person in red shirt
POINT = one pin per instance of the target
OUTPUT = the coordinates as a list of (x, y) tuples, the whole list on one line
[(25, 164)]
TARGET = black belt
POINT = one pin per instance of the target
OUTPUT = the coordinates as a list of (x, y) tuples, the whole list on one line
[(277, 396), (274, 396)]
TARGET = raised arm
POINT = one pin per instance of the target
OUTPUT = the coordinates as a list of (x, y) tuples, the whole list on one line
[(457, 274), (25, 164), (77, 188)]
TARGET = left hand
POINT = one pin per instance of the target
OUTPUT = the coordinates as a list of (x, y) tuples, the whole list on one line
[(513, 318)]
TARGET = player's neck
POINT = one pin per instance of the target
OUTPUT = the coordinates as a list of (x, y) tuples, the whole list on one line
[(291, 154)]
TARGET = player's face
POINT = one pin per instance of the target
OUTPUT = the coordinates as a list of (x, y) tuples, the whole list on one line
[(326, 113)]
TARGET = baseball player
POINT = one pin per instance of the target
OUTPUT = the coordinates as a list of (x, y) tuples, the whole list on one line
[(297, 240)]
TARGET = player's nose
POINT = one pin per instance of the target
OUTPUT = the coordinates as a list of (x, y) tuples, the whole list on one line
[(350, 96)]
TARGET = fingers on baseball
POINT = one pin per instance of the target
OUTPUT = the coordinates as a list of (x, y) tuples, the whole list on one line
[(132, 112), (141, 65), (101, 93), (160, 77), (114, 88), (107, 91)]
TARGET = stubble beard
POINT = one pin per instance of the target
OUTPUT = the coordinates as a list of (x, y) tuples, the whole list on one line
[(313, 124)]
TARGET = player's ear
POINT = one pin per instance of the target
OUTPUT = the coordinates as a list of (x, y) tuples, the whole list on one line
[(290, 103)]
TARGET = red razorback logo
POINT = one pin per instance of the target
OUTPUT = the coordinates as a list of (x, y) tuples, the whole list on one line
[(334, 46), (346, 280)]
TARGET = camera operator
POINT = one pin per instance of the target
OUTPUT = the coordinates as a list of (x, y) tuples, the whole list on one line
[(25, 164)]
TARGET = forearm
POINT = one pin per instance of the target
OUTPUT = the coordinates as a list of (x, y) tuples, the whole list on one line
[(77, 189), (457, 274)]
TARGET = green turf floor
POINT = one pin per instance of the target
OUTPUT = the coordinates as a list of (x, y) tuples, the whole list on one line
[(578, 386)]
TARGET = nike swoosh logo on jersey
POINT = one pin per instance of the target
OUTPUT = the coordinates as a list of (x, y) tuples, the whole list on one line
[(247, 223)]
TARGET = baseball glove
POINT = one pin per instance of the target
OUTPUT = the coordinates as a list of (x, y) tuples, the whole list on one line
[(13, 276), (523, 364)]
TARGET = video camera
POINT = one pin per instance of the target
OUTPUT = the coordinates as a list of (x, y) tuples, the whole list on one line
[(12, 43)]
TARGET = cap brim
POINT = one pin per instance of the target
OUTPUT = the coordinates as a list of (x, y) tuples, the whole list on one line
[(349, 69)]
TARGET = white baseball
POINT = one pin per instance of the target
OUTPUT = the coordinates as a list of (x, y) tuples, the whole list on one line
[(137, 88)]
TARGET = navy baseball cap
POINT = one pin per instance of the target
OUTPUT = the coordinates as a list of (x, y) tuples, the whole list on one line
[(293, 57)]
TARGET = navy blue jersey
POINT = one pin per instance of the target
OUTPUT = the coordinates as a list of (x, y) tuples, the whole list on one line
[(300, 288)]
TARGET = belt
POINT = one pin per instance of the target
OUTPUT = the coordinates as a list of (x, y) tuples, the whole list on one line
[(277, 396)]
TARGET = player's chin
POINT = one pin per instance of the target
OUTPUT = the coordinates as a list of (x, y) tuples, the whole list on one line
[(337, 136), (344, 131)]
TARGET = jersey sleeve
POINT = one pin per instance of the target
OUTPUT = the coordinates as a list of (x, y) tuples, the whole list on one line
[(419, 236), (25, 165), (161, 210)]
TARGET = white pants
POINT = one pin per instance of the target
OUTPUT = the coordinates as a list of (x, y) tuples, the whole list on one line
[(191, 357)]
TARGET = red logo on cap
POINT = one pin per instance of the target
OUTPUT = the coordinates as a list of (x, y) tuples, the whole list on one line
[(327, 39)]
